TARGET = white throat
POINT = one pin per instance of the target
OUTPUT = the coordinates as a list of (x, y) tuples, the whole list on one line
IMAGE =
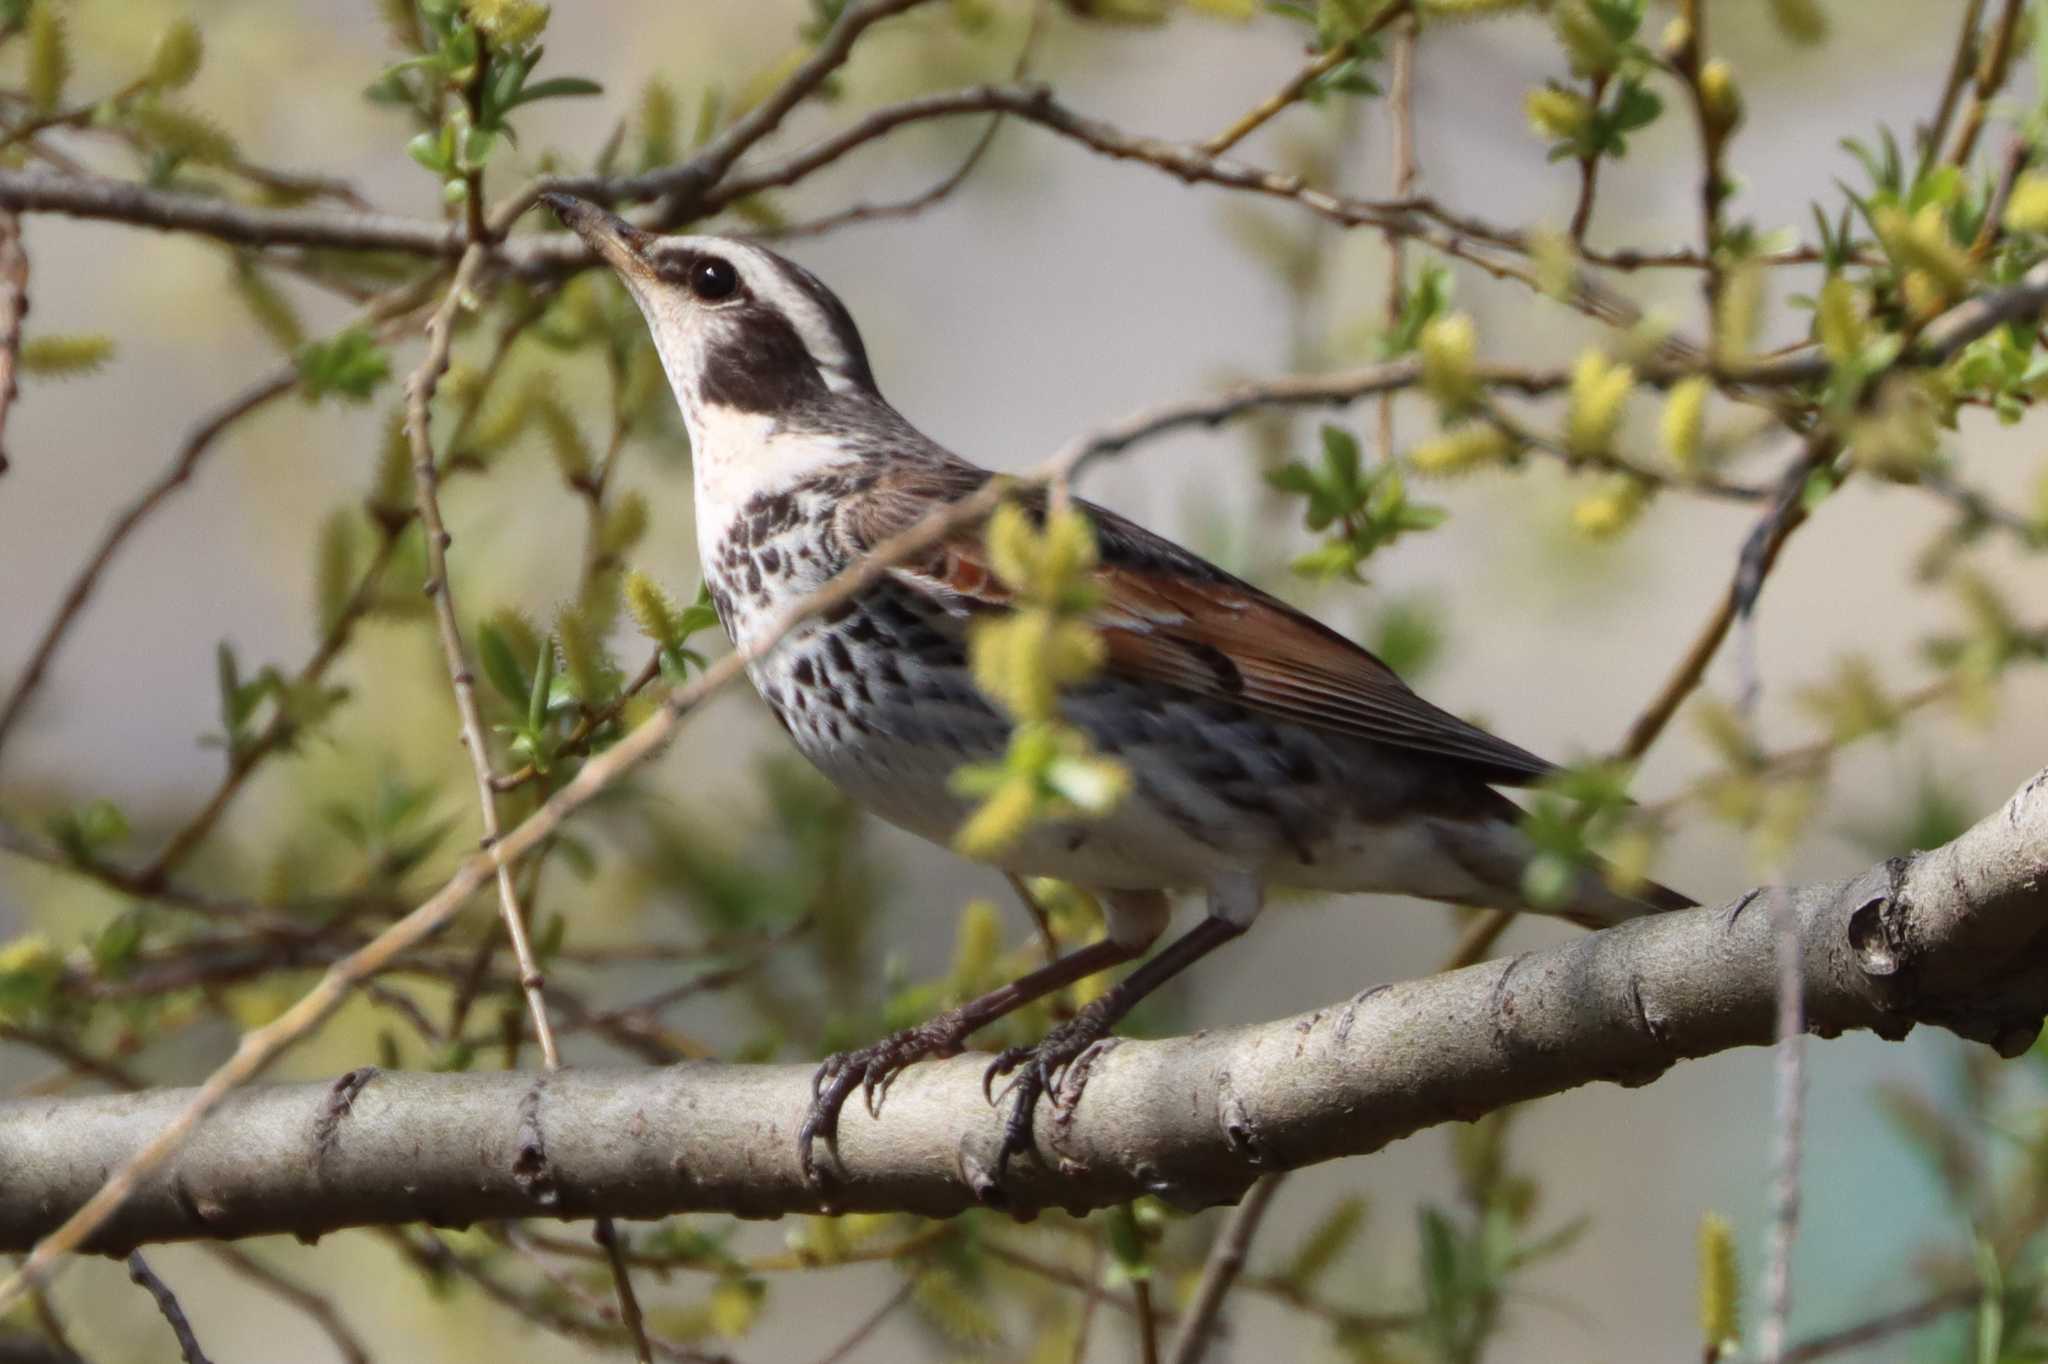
[(737, 456)]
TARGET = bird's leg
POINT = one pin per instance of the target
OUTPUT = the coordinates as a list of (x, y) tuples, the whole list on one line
[(1135, 920), (1049, 1067)]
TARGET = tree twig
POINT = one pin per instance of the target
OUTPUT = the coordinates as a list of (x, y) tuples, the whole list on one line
[(191, 451), (140, 1273), (194, 449), (426, 477), (1221, 1270), (13, 308)]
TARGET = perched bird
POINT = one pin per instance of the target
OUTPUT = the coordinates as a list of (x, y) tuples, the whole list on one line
[(1263, 748)]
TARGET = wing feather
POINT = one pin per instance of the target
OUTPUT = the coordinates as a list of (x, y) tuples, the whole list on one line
[(1171, 618)]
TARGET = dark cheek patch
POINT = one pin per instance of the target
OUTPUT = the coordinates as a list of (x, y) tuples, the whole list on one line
[(757, 363)]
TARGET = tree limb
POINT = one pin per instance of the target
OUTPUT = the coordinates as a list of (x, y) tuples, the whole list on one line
[(1953, 937)]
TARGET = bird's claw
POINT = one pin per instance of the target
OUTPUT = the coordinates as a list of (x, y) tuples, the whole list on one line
[(870, 1069), (1057, 1067)]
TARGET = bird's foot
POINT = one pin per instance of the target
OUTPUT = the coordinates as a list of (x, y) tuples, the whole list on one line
[(871, 1069), (1057, 1068)]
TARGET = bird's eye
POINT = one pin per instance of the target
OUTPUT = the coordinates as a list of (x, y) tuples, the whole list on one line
[(712, 278)]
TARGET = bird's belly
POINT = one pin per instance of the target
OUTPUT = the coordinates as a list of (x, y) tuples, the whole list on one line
[(1138, 844), (880, 698)]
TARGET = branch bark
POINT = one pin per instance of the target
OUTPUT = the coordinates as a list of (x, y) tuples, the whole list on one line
[(1954, 937)]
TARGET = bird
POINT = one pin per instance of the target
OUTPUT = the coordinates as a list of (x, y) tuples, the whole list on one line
[(1264, 750)]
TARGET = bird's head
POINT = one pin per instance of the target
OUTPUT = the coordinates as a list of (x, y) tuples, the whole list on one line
[(742, 332)]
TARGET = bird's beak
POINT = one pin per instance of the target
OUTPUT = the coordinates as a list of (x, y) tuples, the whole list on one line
[(621, 245)]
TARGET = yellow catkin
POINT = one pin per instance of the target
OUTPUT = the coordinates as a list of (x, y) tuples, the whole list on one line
[(1720, 1285), (2027, 209), (1461, 450), (1684, 421), (1557, 114), (1599, 389), (1448, 345), (653, 611)]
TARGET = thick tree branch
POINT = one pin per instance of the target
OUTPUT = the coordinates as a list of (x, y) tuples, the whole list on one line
[(1953, 937)]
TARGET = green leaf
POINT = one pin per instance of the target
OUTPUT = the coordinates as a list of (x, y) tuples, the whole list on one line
[(560, 87), (49, 56), (227, 677), (60, 357), (115, 946), (543, 684), (501, 667), (657, 124), (1340, 457), (350, 365), (1130, 1257), (1553, 1244), (184, 133), (85, 832), (268, 305), (1332, 1235), (334, 575), (1407, 638), (30, 972)]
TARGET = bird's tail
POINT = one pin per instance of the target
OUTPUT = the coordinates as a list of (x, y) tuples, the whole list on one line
[(1497, 853), (1596, 903)]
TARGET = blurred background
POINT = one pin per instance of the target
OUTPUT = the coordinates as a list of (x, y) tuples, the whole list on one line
[(1052, 292)]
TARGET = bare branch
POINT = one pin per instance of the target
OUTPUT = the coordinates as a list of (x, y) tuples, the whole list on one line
[(346, 1343), (426, 478), (13, 308), (123, 201), (191, 452), (167, 1302), (1220, 1272), (682, 185)]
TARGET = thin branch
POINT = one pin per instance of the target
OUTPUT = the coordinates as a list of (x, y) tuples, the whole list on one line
[(1760, 553), (1221, 1270), (426, 478), (1788, 1126), (873, 1323), (140, 1273), (194, 449), (1404, 172), (911, 207), (13, 308), (606, 1234), (1935, 132), (1055, 1273), (1908, 1318), (1091, 1300), (419, 396), (1992, 69), (1714, 125), (434, 1255), (57, 1340), (682, 186), (1313, 70), (1148, 1322), (346, 1342), (123, 201), (281, 729)]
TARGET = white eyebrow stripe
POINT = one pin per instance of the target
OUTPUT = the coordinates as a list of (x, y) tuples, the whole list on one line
[(820, 333)]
